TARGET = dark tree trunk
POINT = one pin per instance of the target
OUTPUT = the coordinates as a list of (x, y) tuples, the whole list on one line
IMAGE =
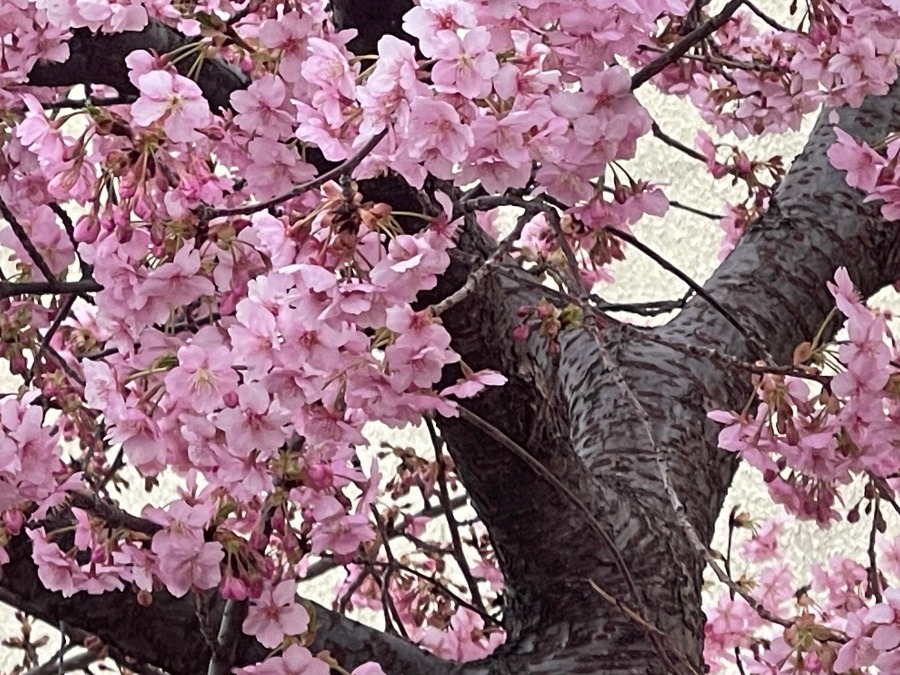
[(568, 412)]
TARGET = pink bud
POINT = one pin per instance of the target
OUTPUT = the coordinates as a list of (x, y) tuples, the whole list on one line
[(521, 333), (231, 399), (13, 521), (87, 229), (255, 587), (258, 540), (227, 304), (18, 365), (127, 187), (233, 588), (124, 234), (321, 476), (213, 133), (544, 310)]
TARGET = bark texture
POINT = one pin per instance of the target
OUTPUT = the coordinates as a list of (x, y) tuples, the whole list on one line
[(570, 413)]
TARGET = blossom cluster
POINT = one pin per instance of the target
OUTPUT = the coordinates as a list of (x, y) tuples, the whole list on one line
[(810, 438), (844, 616), (808, 441), (875, 173)]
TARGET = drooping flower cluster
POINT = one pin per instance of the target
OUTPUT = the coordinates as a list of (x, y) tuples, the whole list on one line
[(808, 442), (810, 438)]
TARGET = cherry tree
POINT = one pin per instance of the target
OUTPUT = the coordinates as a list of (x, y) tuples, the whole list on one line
[(237, 233)]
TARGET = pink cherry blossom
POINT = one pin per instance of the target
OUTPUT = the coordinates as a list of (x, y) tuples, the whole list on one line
[(440, 138), (187, 567), (433, 18), (465, 66), (202, 377), (295, 660), (261, 108), (242, 350), (275, 614), (175, 100)]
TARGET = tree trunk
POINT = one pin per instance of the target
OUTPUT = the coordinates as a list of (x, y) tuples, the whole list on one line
[(569, 412)]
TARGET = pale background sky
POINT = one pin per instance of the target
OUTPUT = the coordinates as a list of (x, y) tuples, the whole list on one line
[(691, 243)]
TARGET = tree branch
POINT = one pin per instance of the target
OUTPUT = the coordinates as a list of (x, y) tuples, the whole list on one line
[(167, 633), (681, 47), (10, 289), (100, 59)]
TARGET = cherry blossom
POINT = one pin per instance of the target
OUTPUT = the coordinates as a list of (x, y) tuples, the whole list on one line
[(175, 100), (275, 614)]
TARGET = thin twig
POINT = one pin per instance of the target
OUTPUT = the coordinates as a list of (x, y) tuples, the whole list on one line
[(77, 662), (387, 600), (681, 47), (874, 581), (117, 463), (568, 253), (802, 372), (492, 261), (885, 491), (675, 143), (441, 588), (61, 313), (354, 586), (67, 369), (649, 308), (693, 285), (325, 565), (86, 269), (341, 169), (731, 526), (26, 242), (765, 17), (694, 210), (426, 546), (444, 497), (10, 289)]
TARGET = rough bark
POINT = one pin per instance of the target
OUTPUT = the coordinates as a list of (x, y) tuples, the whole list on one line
[(570, 413), (100, 59)]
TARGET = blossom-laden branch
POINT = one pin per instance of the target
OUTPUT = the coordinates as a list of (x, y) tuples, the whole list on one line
[(99, 58), (684, 45), (247, 351), (167, 634), (343, 169)]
